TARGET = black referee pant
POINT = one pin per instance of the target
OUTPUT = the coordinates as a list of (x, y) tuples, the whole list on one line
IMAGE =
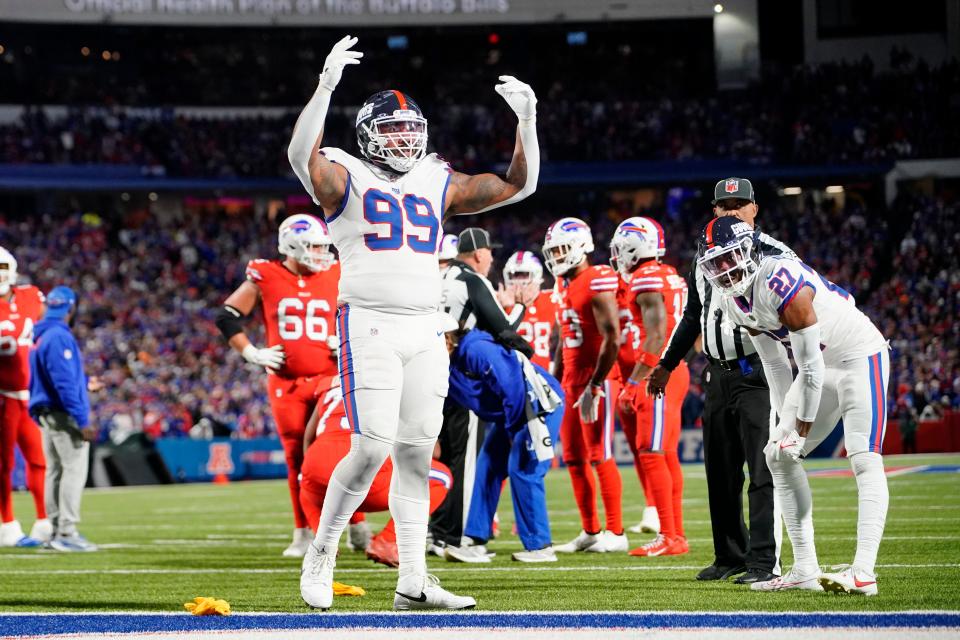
[(736, 427), (446, 523)]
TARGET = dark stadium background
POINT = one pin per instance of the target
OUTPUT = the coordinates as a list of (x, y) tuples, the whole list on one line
[(144, 165)]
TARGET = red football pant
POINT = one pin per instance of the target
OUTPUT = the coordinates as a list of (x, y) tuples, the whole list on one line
[(628, 421), (17, 428), (318, 468), (658, 435), (591, 444), (292, 401)]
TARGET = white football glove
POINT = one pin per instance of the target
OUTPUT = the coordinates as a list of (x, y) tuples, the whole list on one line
[(589, 403), (271, 357), (519, 95), (790, 445), (339, 57)]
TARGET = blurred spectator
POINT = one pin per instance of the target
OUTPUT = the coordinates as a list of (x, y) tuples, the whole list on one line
[(858, 116)]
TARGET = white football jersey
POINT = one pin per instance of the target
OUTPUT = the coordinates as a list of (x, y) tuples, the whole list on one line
[(845, 332), (387, 232)]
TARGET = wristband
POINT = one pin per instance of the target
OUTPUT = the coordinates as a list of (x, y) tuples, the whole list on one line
[(632, 382), (648, 359)]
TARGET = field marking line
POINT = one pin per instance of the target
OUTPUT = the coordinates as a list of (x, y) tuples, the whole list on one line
[(385, 571)]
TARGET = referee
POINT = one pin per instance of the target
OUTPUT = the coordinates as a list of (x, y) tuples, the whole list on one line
[(469, 297), (736, 417)]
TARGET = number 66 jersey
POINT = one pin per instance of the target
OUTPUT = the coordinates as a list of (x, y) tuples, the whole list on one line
[(386, 230), (300, 313), (845, 332)]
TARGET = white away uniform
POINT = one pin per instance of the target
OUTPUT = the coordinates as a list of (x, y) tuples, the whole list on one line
[(855, 355), (393, 357), (856, 371)]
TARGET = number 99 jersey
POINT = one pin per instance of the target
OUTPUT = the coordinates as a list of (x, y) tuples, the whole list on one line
[(300, 313), (387, 232)]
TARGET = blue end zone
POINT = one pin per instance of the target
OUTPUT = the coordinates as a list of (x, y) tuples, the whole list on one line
[(39, 624)]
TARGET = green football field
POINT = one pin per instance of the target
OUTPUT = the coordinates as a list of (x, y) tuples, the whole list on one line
[(162, 546)]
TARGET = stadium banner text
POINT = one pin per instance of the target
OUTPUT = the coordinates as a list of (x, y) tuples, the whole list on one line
[(329, 13)]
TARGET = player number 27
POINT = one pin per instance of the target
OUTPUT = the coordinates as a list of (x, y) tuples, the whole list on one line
[(782, 282), (293, 323), (414, 213)]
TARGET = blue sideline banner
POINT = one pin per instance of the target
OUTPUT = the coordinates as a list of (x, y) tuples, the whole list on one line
[(203, 460)]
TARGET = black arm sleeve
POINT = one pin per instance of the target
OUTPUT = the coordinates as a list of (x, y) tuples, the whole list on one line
[(489, 314), (229, 321), (687, 329), (490, 317)]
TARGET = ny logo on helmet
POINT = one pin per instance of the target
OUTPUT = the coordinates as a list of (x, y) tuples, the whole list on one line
[(731, 186)]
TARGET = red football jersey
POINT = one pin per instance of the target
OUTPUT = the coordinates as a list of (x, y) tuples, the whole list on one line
[(629, 332), (300, 313), (536, 326), (655, 277), (578, 327), (17, 317), (333, 416)]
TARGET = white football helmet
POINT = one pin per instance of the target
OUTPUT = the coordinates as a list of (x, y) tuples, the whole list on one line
[(522, 268), (448, 247), (566, 245), (8, 271), (634, 240), (306, 240)]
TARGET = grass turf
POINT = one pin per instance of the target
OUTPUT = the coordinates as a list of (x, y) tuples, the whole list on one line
[(165, 545)]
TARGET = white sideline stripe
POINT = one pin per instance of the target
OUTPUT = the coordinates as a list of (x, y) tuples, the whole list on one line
[(385, 571), (472, 613)]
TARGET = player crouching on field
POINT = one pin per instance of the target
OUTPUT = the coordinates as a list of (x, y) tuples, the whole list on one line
[(325, 443), (523, 406), (844, 367)]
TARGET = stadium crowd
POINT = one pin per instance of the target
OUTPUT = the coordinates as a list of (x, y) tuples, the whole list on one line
[(859, 117), (149, 287)]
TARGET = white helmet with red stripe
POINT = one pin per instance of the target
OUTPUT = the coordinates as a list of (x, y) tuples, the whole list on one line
[(306, 240), (566, 245), (522, 268), (8, 271), (636, 239)]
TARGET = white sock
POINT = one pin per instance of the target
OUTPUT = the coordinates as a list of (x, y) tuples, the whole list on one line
[(339, 505), (410, 516), (873, 500), (410, 508), (793, 490)]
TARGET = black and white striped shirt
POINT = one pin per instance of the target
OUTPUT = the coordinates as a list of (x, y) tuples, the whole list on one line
[(703, 316)]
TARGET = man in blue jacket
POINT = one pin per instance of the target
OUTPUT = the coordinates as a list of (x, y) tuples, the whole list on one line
[(523, 405), (59, 403)]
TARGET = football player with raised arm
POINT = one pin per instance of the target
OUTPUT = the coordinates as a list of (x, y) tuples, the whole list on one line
[(298, 295), (657, 297), (844, 367), (385, 212), (589, 343)]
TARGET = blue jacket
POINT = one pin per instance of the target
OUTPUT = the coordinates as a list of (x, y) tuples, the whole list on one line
[(487, 378), (57, 380)]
